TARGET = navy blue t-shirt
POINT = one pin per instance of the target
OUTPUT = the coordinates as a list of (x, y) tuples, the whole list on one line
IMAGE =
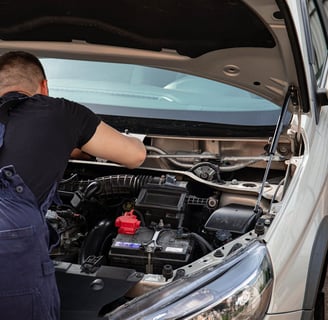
[(40, 135)]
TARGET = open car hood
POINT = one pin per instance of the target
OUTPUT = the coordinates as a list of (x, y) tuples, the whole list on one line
[(217, 195), (238, 42)]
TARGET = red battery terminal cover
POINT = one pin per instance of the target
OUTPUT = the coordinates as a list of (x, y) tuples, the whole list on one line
[(128, 223)]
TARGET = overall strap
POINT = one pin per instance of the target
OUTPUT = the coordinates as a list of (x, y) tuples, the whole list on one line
[(5, 108)]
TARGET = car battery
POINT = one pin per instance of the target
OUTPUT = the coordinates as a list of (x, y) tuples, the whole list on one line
[(149, 246)]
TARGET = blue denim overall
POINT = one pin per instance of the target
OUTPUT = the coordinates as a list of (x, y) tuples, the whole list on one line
[(28, 287)]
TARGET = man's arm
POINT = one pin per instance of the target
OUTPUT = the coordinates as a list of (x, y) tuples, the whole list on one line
[(107, 143), (80, 155)]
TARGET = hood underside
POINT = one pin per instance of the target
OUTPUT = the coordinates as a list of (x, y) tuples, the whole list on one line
[(185, 26), (243, 43)]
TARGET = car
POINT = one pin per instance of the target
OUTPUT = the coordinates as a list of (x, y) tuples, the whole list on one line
[(227, 218)]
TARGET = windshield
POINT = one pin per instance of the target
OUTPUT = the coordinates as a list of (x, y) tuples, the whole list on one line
[(139, 91)]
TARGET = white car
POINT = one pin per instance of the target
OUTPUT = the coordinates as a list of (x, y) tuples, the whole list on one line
[(228, 216)]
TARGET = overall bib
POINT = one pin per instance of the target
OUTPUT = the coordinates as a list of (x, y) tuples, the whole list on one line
[(28, 287)]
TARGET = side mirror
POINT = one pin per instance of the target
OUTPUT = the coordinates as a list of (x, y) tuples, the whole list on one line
[(321, 100), (322, 97)]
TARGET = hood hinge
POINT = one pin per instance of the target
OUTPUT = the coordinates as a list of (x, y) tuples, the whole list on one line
[(293, 95)]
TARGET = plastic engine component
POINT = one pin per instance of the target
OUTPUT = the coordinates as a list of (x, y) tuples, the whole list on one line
[(234, 218), (128, 223)]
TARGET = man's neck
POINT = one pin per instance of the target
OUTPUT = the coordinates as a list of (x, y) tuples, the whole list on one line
[(16, 89)]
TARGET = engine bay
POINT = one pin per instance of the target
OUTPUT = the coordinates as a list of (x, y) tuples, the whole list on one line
[(177, 208), (151, 216)]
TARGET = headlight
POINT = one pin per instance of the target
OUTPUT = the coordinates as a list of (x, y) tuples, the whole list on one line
[(239, 289)]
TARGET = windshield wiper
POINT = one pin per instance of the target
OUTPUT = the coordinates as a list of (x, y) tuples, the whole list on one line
[(240, 161)]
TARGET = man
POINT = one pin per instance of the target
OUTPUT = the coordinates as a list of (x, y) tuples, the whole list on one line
[(37, 135)]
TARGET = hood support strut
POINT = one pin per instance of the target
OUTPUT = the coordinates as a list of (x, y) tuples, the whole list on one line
[(291, 95)]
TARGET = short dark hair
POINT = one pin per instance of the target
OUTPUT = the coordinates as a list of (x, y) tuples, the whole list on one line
[(13, 57)]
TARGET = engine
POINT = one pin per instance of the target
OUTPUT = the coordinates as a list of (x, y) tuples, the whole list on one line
[(150, 223)]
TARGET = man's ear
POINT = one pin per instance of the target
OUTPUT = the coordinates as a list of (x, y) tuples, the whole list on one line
[(44, 87)]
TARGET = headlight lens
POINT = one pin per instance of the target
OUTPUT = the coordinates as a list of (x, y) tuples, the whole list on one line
[(238, 289)]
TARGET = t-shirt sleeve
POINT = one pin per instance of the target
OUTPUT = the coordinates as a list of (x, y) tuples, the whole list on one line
[(84, 122), (88, 127)]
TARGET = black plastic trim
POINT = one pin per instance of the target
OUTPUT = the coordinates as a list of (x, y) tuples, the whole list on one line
[(154, 126), (317, 268)]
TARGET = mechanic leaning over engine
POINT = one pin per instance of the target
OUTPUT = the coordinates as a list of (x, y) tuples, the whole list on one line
[(37, 135)]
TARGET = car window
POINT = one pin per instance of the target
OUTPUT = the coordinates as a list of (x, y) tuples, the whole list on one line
[(325, 6), (126, 89), (318, 37)]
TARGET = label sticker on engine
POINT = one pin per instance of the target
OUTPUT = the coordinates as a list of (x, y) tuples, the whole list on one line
[(130, 245), (174, 249)]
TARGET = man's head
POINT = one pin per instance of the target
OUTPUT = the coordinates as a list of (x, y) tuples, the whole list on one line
[(23, 72)]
